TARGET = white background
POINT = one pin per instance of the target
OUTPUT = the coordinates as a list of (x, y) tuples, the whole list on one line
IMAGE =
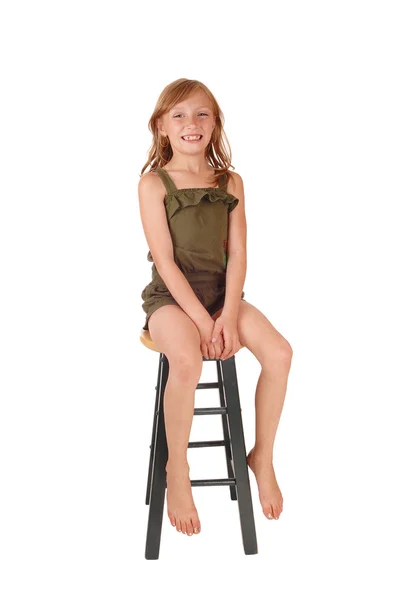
[(309, 95)]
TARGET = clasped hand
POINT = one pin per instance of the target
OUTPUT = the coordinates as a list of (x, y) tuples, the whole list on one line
[(224, 332)]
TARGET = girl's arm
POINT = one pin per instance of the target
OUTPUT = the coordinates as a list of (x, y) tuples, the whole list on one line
[(157, 234), (237, 253)]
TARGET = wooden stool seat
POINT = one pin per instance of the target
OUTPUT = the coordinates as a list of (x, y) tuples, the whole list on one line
[(233, 441), (145, 338)]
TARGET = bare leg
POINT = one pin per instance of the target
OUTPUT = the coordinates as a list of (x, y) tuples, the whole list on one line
[(274, 354), (269, 400), (178, 338)]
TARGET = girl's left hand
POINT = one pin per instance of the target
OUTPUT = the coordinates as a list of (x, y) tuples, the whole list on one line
[(227, 326)]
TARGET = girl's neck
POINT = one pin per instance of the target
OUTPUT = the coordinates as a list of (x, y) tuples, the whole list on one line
[(190, 168)]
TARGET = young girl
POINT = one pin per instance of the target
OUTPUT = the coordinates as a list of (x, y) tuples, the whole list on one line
[(193, 214)]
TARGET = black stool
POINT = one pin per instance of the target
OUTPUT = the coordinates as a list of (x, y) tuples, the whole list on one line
[(235, 452)]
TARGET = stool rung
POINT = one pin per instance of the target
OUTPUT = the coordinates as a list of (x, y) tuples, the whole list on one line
[(214, 410), (203, 482), (207, 386), (208, 482), (206, 444), (203, 386)]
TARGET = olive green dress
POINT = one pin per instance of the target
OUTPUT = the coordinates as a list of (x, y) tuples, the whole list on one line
[(198, 224)]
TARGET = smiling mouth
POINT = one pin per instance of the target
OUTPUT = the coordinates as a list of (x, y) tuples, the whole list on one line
[(194, 138)]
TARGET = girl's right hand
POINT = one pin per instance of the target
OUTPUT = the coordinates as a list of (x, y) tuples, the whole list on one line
[(207, 347)]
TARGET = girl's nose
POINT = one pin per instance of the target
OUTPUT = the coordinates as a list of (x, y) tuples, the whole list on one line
[(192, 121)]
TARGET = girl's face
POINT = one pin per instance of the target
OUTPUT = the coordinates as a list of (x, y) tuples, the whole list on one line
[(191, 117)]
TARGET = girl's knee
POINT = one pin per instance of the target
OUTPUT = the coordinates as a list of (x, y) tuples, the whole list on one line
[(186, 365), (281, 357), (285, 353)]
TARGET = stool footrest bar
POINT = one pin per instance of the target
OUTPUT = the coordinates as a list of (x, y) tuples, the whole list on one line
[(206, 482), (206, 444), (207, 385), (216, 410), (209, 482)]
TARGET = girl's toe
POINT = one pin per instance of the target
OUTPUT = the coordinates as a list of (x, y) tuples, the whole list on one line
[(189, 527), (196, 525), (268, 512)]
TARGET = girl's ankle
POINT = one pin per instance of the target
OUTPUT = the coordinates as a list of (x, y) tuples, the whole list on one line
[(261, 455)]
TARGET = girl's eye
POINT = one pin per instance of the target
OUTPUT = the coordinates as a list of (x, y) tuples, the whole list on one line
[(179, 114)]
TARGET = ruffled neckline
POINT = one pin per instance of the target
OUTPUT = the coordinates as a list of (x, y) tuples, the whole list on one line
[(184, 197), (195, 188)]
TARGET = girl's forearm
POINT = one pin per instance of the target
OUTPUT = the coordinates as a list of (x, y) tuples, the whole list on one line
[(235, 279), (182, 292)]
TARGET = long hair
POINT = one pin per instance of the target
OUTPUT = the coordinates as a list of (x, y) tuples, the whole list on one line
[(218, 150)]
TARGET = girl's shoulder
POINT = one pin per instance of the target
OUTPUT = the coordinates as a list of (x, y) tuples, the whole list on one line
[(235, 183), (150, 186)]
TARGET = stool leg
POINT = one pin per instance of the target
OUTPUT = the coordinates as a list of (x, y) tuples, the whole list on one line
[(155, 413), (230, 383), (227, 440), (158, 487)]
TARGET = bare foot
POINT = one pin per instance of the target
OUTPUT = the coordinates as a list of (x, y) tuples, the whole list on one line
[(180, 505), (268, 489)]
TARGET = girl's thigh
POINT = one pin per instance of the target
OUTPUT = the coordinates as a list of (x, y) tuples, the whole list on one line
[(176, 335)]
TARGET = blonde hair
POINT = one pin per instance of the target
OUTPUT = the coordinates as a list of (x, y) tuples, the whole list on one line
[(218, 151)]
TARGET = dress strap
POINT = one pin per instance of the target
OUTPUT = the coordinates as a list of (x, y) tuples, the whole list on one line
[(223, 181), (167, 180)]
